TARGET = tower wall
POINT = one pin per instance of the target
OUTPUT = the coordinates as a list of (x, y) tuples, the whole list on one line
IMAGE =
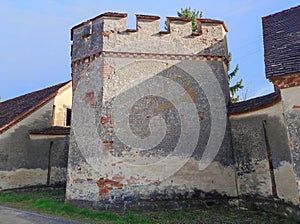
[(149, 116)]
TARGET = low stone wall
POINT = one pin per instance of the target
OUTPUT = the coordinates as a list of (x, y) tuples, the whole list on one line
[(24, 161), (262, 150)]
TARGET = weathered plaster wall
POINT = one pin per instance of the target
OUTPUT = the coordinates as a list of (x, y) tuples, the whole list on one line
[(59, 160), (24, 161), (149, 122), (62, 101), (291, 109), (250, 148)]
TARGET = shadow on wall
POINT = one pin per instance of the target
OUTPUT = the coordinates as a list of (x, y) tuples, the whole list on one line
[(263, 157)]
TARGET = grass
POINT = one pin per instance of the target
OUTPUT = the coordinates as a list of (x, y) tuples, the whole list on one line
[(52, 203)]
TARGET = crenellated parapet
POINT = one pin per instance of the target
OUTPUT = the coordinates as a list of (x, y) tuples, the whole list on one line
[(108, 32)]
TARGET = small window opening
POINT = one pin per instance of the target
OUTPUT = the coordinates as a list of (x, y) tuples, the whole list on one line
[(68, 117), (87, 30), (53, 115)]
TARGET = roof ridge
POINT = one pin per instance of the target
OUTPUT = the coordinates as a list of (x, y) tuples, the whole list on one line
[(26, 94), (284, 11), (255, 103)]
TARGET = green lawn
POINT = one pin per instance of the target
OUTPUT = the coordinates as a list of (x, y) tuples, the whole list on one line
[(52, 203)]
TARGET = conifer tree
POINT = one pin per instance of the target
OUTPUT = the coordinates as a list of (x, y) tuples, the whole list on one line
[(233, 88)]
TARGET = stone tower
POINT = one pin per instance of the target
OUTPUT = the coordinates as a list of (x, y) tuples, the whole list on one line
[(149, 120)]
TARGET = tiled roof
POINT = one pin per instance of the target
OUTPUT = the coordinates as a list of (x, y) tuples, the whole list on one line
[(16, 109), (281, 33), (255, 104), (53, 130)]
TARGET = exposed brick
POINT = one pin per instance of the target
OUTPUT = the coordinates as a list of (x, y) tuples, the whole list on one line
[(286, 81)]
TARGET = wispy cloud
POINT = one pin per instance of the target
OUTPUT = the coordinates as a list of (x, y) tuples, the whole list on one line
[(262, 91), (233, 9)]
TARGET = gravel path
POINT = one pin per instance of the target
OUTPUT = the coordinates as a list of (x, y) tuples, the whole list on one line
[(17, 216)]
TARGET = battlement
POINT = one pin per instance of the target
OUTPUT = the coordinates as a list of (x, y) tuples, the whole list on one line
[(108, 32)]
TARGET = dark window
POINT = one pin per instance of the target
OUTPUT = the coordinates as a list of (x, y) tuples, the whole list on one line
[(87, 31), (68, 117)]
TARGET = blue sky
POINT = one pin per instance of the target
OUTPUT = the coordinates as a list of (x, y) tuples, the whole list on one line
[(35, 36)]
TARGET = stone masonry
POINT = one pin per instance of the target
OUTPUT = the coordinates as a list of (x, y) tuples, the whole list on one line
[(149, 117), (153, 126)]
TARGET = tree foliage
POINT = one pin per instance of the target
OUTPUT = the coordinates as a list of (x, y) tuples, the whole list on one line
[(233, 88), (188, 13)]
